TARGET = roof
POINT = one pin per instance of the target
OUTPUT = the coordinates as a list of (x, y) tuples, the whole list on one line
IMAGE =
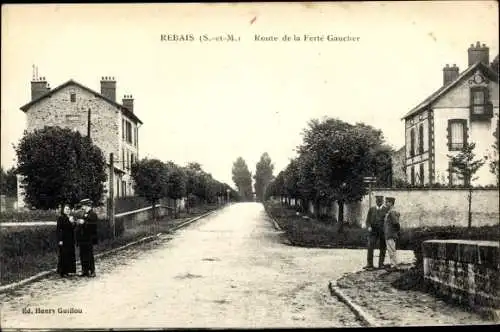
[(125, 110), (445, 88)]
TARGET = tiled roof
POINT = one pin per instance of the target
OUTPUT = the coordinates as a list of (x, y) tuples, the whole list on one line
[(125, 110), (442, 90)]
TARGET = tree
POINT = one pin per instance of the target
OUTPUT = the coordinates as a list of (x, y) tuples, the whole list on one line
[(242, 178), (176, 183), (493, 164), (60, 166), (263, 175), (151, 180), (8, 182), (465, 166), (335, 156)]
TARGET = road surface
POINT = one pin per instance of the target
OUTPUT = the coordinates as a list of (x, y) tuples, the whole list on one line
[(228, 270)]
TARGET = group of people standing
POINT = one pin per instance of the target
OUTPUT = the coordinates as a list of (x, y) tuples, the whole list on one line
[(81, 231), (383, 226)]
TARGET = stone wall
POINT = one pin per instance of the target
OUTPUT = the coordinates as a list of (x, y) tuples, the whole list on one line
[(434, 207), (467, 271)]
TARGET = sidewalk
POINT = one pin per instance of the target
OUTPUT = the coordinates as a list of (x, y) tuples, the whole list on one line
[(387, 299)]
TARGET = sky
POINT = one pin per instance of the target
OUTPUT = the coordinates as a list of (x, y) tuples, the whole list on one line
[(212, 102)]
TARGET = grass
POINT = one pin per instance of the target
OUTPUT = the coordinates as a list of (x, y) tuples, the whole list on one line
[(305, 231), (27, 251)]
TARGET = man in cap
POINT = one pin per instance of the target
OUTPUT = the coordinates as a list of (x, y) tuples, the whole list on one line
[(391, 230), (375, 225), (87, 237)]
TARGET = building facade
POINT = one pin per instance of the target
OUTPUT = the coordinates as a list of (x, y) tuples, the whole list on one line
[(463, 110), (112, 126)]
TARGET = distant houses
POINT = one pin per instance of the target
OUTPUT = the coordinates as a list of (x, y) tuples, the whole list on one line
[(464, 109), (114, 127)]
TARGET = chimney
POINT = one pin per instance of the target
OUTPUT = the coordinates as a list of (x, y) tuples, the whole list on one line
[(39, 87), (128, 102), (108, 87), (479, 53), (450, 74)]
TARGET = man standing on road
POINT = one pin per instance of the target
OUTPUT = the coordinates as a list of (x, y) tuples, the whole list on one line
[(86, 238), (391, 230), (375, 225)]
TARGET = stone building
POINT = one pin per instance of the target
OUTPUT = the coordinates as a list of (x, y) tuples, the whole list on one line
[(464, 109), (114, 127)]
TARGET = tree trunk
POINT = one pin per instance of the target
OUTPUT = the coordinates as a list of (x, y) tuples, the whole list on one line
[(341, 216), (469, 224), (316, 208)]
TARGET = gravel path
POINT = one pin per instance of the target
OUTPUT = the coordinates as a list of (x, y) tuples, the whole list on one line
[(230, 269), (373, 291)]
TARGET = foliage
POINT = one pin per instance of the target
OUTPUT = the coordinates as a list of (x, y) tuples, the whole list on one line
[(29, 216), (263, 175), (464, 164), (150, 179), (60, 166), (242, 178), (494, 162), (176, 181), (8, 182), (412, 239)]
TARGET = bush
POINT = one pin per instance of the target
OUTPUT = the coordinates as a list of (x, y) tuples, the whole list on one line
[(412, 239), (310, 232), (27, 216)]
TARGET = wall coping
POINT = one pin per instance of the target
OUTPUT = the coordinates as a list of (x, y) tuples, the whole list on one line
[(54, 223), (472, 242), (434, 189)]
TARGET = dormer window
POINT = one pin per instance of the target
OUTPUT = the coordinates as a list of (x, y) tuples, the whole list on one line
[(480, 106)]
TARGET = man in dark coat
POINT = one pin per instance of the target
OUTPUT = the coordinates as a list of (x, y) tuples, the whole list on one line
[(86, 238), (375, 225)]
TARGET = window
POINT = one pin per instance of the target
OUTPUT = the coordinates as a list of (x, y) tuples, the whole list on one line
[(412, 175), (136, 136), (124, 188), (72, 97), (478, 101), (128, 132), (123, 129), (123, 158), (117, 188), (128, 159), (422, 174), (480, 107), (421, 139), (412, 142), (457, 134)]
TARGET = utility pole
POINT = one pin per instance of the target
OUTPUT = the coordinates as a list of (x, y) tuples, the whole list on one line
[(88, 123), (370, 180), (111, 212)]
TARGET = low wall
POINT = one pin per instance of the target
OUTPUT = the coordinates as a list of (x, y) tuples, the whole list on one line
[(133, 218), (467, 271), (434, 207)]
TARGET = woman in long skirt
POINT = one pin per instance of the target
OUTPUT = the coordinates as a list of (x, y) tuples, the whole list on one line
[(66, 242)]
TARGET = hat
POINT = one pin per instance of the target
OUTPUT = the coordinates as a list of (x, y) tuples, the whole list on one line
[(379, 197), (390, 199), (86, 201)]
